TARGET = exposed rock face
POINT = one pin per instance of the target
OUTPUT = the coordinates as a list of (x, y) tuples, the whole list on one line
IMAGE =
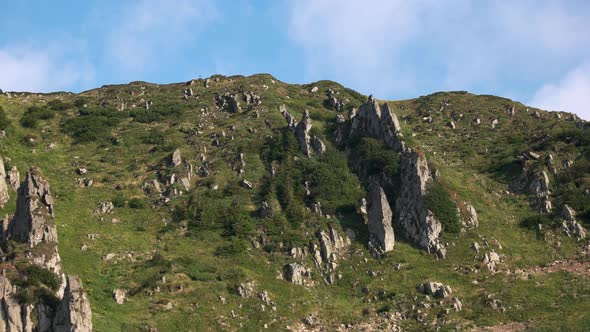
[(331, 247), (536, 184), (418, 223), (380, 122), (295, 273), (120, 295), (435, 289), (471, 220), (34, 227), (332, 101), (228, 101), (73, 313), (310, 144), (570, 225), (247, 289), (175, 158), (13, 178), (490, 260), (380, 217), (4, 197)]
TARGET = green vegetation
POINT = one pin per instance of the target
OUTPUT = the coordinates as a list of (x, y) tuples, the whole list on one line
[(34, 114), (195, 247), (439, 201), (4, 121)]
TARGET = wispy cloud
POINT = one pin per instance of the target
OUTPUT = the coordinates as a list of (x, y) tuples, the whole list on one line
[(57, 66), (394, 47), (150, 31), (570, 94)]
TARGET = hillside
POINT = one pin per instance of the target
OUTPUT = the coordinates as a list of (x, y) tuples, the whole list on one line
[(245, 203)]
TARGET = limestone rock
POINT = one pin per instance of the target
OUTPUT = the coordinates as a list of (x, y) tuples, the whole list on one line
[(417, 222), (247, 289), (104, 207), (379, 219), (295, 273), (4, 197), (471, 220), (73, 313), (175, 158), (120, 295), (490, 260), (570, 224), (309, 144), (435, 289), (13, 178)]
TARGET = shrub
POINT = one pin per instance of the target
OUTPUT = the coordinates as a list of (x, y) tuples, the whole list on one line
[(235, 247), (136, 203), (532, 221), (31, 117), (438, 200), (58, 105), (4, 122), (119, 201), (93, 124)]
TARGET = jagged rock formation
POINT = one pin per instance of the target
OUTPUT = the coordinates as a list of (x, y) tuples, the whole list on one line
[(381, 237), (490, 260), (4, 197), (417, 222), (535, 183), (310, 144), (228, 101), (570, 224), (174, 176), (435, 289), (13, 178), (73, 312), (295, 273), (34, 227), (331, 247), (471, 220)]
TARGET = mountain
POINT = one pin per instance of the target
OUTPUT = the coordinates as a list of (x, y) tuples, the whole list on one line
[(246, 203)]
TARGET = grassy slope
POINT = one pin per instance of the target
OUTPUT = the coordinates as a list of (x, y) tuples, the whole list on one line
[(476, 175)]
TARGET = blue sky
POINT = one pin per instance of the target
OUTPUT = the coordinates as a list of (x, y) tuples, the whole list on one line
[(537, 52)]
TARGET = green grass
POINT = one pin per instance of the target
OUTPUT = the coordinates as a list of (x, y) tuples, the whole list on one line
[(201, 241)]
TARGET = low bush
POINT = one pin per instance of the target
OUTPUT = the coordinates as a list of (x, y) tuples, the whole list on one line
[(4, 122), (30, 119), (439, 201)]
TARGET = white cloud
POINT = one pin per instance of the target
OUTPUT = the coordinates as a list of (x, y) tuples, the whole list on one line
[(570, 94), (394, 47), (25, 67), (151, 30)]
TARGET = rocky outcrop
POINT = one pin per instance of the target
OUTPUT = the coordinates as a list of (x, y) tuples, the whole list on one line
[(435, 289), (309, 144), (175, 158), (490, 260), (332, 101), (417, 222), (295, 273), (34, 228), (13, 178), (379, 215), (379, 122), (228, 102), (331, 248), (535, 183), (570, 225), (4, 197), (73, 313), (470, 219)]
